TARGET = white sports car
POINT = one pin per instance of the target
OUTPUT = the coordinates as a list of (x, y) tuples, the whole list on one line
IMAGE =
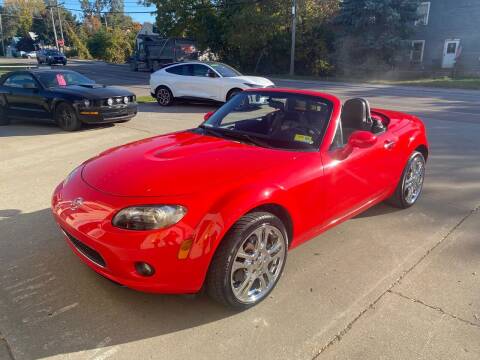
[(197, 80)]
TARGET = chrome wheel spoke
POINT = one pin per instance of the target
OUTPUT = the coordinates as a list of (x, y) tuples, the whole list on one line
[(413, 182), (258, 263)]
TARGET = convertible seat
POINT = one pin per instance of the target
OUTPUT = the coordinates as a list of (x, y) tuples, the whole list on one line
[(355, 116)]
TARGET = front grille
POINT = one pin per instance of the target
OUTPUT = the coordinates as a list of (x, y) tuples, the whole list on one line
[(87, 251)]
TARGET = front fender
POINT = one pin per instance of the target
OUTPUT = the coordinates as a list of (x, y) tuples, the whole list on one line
[(223, 213)]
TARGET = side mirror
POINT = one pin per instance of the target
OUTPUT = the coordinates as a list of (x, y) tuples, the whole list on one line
[(362, 139), (359, 139), (207, 115)]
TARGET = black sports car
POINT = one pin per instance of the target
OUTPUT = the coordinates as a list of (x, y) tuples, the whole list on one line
[(65, 96)]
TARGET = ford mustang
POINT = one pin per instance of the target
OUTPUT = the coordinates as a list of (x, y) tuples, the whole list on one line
[(219, 206), (65, 96)]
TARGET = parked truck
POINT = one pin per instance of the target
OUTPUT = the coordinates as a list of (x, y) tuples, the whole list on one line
[(153, 51)]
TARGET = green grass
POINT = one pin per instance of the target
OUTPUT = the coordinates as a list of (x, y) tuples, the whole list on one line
[(443, 82), (144, 99)]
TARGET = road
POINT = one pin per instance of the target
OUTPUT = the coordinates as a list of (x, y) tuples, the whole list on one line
[(387, 284)]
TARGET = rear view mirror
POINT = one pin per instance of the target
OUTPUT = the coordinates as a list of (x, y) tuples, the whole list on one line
[(207, 115)]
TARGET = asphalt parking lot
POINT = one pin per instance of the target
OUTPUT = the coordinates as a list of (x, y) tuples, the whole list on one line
[(387, 284)]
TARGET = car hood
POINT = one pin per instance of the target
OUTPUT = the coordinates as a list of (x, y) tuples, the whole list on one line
[(257, 80), (179, 164), (93, 91)]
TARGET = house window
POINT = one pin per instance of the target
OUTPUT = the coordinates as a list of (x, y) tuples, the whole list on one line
[(416, 54), (423, 11)]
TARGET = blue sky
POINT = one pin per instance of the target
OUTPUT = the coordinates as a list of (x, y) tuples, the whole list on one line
[(130, 5)]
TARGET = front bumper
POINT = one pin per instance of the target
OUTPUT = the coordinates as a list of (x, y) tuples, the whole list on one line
[(107, 114), (113, 252)]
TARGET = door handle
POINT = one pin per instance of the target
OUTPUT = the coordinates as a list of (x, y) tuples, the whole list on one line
[(389, 144)]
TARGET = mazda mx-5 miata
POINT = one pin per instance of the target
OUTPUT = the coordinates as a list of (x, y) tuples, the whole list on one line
[(219, 206)]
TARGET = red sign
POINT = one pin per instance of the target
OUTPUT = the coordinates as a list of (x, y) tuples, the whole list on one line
[(61, 42)]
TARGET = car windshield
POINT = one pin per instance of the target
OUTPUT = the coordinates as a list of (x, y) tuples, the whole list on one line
[(52, 52), (272, 119), (225, 70), (63, 78)]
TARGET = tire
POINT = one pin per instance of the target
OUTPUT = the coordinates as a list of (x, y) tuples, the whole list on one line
[(4, 120), (410, 186), (164, 96), (66, 117), (233, 282), (232, 93)]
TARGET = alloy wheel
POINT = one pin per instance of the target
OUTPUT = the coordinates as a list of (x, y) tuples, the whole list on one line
[(413, 181), (163, 97), (258, 264)]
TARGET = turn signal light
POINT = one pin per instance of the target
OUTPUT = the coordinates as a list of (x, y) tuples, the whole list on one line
[(185, 249)]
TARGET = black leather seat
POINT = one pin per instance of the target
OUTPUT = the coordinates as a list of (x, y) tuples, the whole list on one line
[(355, 116)]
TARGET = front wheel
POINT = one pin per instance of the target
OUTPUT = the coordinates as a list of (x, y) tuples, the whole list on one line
[(249, 262), (164, 96), (232, 93), (410, 185), (66, 117)]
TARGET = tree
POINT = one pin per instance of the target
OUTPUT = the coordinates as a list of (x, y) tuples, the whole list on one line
[(20, 14), (374, 33)]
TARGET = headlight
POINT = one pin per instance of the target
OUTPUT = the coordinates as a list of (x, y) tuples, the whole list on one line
[(253, 85), (110, 101), (125, 99), (149, 217), (86, 102)]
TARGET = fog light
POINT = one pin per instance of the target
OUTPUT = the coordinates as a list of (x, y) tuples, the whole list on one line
[(144, 269)]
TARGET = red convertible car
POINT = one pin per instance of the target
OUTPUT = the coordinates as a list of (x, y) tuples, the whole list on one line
[(220, 205)]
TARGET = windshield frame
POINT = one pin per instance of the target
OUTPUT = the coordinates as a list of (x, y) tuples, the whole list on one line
[(38, 76), (217, 117)]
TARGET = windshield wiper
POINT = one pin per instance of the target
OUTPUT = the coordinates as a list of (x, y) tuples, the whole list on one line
[(236, 135)]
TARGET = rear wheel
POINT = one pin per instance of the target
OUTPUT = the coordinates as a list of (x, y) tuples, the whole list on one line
[(249, 262), (4, 120), (66, 117), (410, 185), (164, 96)]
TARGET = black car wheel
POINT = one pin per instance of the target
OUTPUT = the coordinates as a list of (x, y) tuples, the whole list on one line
[(4, 120), (232, 93), (66, 117), (249, 261), (164, 96), (410, 185)]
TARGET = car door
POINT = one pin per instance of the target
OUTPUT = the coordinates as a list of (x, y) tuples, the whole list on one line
[(179, 80), (24, 98), (205, 82), (357, 180)]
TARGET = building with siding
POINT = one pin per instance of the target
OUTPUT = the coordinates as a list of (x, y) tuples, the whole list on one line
[(447, 37)]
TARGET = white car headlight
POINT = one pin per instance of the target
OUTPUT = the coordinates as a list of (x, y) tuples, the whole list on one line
[(110, 101), (149, 217), (125, 99)]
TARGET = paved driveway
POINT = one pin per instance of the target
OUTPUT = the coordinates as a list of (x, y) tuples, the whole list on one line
[(387, 284)]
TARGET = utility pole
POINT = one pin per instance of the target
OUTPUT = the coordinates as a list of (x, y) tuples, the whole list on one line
[(1, 30), (294, 25), (60, 21), (54, 30)]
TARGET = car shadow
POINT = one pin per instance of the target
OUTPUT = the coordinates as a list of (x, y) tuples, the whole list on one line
[(377, 210), (182, 107), (50, 295), (19, 127)]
